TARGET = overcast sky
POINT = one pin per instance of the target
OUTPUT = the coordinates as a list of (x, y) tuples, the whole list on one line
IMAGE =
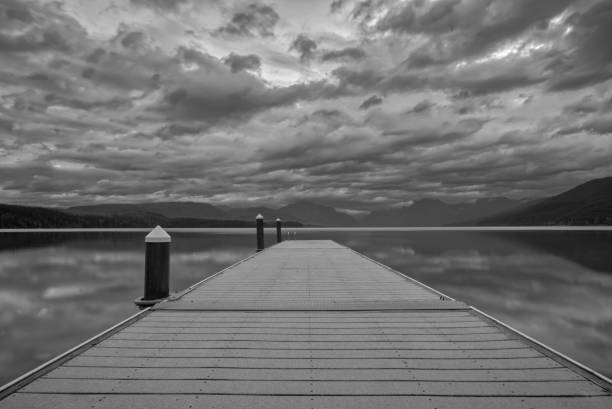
[(356, 104)]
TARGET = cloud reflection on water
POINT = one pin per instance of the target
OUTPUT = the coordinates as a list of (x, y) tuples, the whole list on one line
[(56, 296)]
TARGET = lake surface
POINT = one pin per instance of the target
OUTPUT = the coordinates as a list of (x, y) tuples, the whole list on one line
[(59, 288)]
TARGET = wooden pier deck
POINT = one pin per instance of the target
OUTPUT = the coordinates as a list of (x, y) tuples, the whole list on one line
[(310, 324)]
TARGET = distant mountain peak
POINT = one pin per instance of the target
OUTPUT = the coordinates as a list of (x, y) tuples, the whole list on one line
[(585, 204), (435, 212)]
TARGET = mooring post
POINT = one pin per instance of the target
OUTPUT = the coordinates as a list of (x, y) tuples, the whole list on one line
[(279, 234), (260, 232), (157, 268)]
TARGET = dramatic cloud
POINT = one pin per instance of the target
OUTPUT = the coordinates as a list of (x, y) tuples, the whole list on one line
[(357, 104), (243, 62), (254, 19), (304, 46), (344, 54), (160, 4), (370, 102), (336, 5), (423, 106)]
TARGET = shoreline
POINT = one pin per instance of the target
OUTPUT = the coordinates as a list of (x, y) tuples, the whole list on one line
[(355, 228)]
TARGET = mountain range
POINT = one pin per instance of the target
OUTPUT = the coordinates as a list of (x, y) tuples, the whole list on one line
[(434, 212), (586, 204), (303, 212)]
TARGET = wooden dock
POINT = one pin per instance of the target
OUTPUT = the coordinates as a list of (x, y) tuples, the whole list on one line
[(310, 324)]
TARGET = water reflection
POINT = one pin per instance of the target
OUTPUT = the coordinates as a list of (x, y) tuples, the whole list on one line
[(67, 287), (58, 289)]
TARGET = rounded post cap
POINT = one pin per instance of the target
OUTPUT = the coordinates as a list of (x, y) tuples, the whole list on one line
[(278, 220), (158, 235), (259, 217)]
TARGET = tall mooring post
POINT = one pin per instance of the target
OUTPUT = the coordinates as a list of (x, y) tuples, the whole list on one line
[(157, 268), (279, 233), (259, 221)]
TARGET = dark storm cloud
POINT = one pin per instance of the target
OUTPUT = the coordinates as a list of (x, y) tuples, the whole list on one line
[(348, 53), (242, 99), (596, 124), (255, 19), (423, 106), (170, 131), (15, 10), (462, 27), (427, 137), (348, 167), (576, 79), (594, 30), (358, 78), (160, 4), (410, 82), (133, 39), (242, 62), (601, 125), (370, 102), (34, 40), (336, 5), (6, 125), (589, 104), (96, 55), (364, 9), (496, 83), (325, 121), (334, 116), (304, 46), (591, 60), (112, 104), (36, 32)]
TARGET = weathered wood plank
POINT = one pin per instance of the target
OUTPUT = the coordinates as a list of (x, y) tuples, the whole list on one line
[(347, 339), (246, 324), (312, 346), (328, 314), (318, 353), (387, 388), (311, 331), (321, 363), (475, 375), (139, 401), (310, 318)]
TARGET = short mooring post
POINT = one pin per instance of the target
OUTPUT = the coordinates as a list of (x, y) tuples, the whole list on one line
[(260, 232), (157, 268), (279, 234)]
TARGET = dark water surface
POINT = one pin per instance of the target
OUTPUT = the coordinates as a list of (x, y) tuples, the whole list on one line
[(58, 289)]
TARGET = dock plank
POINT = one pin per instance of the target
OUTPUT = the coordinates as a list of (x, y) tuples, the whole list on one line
[(315, 354), (140, 401), (473, 375), (298, 388)]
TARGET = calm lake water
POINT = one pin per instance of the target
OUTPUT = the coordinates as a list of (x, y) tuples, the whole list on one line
[(59, 288)]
